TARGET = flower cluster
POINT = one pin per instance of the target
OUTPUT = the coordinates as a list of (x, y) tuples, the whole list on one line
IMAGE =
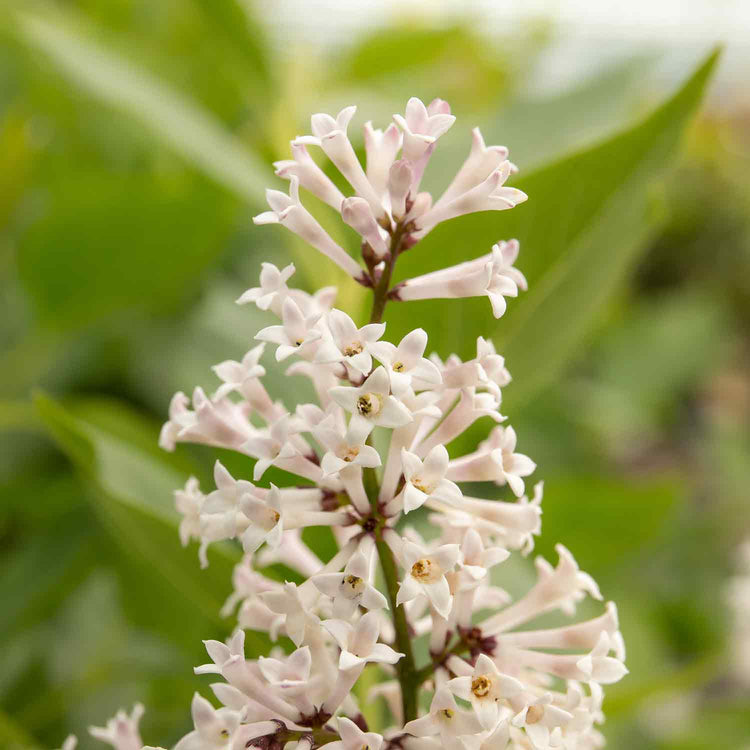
[(371, 451)]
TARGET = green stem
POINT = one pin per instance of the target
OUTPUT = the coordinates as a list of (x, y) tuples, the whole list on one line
[(406, 668), (381, 290)]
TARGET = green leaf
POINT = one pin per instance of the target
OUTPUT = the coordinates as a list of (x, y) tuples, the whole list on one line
[(173, 118), (586, 221), (13, 736), (133, 244), (131, 485), (593, 517)]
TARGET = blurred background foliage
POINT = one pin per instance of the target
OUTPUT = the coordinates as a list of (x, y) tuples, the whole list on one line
[(135, 141)]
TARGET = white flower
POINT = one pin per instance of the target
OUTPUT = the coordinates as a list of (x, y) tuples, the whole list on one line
[(288, 211), (425, 575), (290, 675), (489, 195), (296, 335), (359, 643), (422, 126), (495, 460), (481, 162), (353, 738), (356, 212), (235, 374), (213, 727), (599, 666), (372, 401), (476, 559), (331, 135), (381, 148), (266, 520), (217, 422), (287, 601), (445, 719), (491, 275), (274, 444), (542, 722), (189, 503), (310, 175), (272, 290), (347, 449), (70, 743), (222, 653), (221, 514), (347, 343), (122, 730), (406, 364), (351, 589), (425, 480), (485, 689), (400, 180)]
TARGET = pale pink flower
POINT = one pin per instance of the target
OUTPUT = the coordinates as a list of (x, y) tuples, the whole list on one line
[(122, 730), (359, 643), (445, 719), (351, 589), (310, 175), (425, 480), (426, 575), (494, 461), (296, 335), (406, 363), (288, 211), (486, 689), (353, 738), (347, 343), (372, 401), (213, 728)]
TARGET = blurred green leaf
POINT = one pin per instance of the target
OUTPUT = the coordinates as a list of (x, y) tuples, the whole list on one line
[(13, 736), (107, 246), (132, 485), (172, 117), (587, 218), (592, 516), (588, 111)]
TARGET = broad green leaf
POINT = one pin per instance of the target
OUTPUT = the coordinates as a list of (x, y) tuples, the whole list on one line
[(133, 244), (13, 736), (586, 112), (592, 516), (132, 487), (585, 223), (173, 118)]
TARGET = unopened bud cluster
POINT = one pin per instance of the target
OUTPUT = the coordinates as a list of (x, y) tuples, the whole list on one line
[(368, 453)]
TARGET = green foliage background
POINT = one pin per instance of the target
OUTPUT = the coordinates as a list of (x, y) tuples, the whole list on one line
[(135, 142)]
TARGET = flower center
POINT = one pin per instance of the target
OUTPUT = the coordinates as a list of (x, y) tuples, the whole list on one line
[(368, 404), (352, 586), (299, 342), (421, 485), (350, 453), (354, 348), (397, 367), (534, 714), (272, 517), (480, 686), (224, 733), (426, 571), (447, 713)]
